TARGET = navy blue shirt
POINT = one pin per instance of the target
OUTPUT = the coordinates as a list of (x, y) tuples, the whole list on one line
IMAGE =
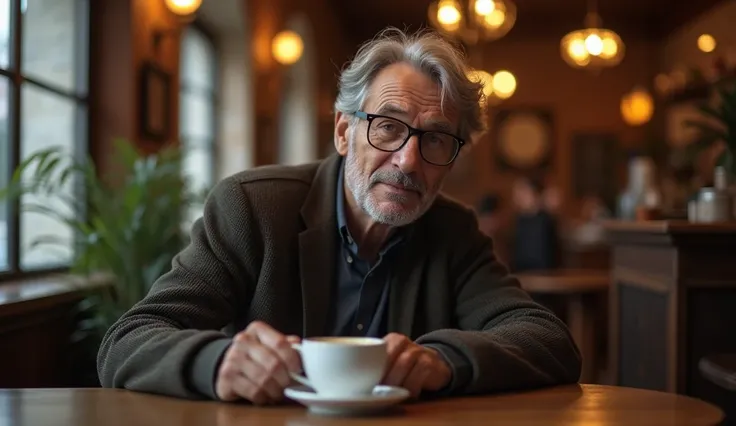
[(362, 288)]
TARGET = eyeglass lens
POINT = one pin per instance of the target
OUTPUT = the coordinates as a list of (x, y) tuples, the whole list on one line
[(388, 134)]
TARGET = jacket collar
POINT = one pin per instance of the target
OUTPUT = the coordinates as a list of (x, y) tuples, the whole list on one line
[(317, 245)]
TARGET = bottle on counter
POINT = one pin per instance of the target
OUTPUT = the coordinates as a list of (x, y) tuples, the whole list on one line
[(715, 203), (641, 200)]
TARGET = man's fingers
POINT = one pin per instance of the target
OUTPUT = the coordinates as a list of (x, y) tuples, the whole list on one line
[(257, 365), (263, 379), (279, 343), (232, 384), (402, 367), (395, 345), (246, 388), (265, 333), (420, 372), (288, 355), (271, 364)]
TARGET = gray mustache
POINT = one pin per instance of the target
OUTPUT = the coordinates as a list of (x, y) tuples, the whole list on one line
[(395, 177)]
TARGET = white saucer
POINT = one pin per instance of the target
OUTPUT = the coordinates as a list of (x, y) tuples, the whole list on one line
[(382, 398)]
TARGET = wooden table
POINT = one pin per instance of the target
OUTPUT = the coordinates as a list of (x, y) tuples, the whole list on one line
[(567, 405), (580, 289), (672, 298)]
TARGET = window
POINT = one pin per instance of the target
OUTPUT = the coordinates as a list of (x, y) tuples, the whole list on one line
[(43, 103), (197, 106)]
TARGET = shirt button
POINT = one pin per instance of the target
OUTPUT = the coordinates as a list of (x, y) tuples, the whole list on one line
[(349, 259), (360, 326)]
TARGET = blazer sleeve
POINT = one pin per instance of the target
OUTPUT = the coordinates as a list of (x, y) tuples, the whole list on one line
[(170, 342), (505, 340)]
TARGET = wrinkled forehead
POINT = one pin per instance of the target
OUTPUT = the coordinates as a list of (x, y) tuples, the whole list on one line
[(406, 93)]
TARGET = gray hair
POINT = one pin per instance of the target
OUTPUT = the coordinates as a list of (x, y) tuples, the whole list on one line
[(428, 52)]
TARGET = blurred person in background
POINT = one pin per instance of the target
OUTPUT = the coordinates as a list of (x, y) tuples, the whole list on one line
[(536, 242)]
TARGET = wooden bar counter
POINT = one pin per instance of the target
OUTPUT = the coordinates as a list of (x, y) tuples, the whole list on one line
[(672, 302)]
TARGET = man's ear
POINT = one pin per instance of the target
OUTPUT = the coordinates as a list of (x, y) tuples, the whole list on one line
[(342, 126)]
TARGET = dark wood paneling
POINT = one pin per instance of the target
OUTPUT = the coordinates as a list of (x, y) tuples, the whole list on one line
[(642, 350), (36, 323), (33, 348), (672, 302), (657, 261)]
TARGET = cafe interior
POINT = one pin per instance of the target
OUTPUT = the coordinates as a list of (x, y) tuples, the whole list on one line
[(616, 119)]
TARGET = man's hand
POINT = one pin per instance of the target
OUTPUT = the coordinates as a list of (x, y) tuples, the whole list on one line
[(414, 367), (257, 365)]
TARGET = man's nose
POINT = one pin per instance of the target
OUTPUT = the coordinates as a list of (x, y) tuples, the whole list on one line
[(408, 159)]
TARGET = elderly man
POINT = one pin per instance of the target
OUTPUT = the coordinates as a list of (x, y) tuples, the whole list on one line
[(360, 244)]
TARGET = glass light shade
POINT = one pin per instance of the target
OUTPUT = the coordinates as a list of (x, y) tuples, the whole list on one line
[(637, 107), (183, 7), (592, 48), (473, 21), (504, 84), (287, 47), (706, 43)]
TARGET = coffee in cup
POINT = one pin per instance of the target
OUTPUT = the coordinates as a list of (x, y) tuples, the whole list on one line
[(342, 366)]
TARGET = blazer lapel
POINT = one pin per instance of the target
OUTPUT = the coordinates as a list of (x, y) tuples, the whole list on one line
[(405, 283), (317, 244)]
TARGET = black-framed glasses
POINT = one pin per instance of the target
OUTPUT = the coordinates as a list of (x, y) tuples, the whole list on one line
[(389, 134)]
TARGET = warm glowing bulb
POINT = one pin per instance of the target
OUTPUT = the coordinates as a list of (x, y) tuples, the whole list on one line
[(609, 48), (706, 43), (496, 18), (183, 7), (484, 7), (594, 44), (577, 49), (504, 84), (287, 47), (637, 107), (447, 13)]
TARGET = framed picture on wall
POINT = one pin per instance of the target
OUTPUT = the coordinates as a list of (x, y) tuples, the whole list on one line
[(594, 168), (155, 107), (523, 138)]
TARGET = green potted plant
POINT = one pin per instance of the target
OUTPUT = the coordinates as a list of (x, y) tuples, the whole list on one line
[(127, 229)]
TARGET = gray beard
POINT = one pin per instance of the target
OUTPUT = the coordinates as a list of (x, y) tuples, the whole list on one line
[(361, 190)]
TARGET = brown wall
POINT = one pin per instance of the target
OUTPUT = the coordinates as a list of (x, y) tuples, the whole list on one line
[(579, 101)]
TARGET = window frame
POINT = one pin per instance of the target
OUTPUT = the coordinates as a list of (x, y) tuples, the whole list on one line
[(213, 95), (80, 96)]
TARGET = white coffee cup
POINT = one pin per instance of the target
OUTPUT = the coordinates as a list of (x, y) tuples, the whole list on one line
[(342, 366)]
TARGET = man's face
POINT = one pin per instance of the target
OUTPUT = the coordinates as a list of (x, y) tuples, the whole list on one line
[(394, 188)]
